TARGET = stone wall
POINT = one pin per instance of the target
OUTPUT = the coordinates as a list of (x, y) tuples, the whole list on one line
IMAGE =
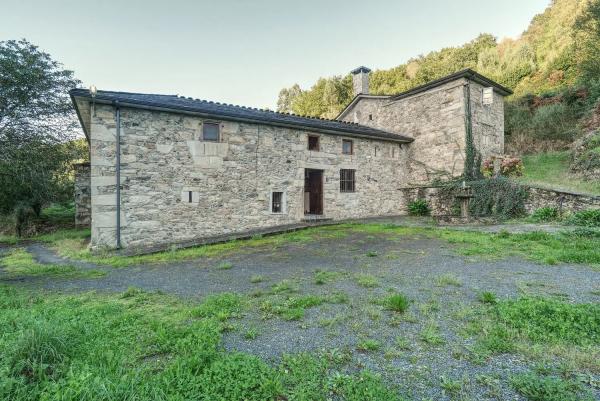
[(441, 203), (163, 160), (436, 119), (563, 201), (83, 203)]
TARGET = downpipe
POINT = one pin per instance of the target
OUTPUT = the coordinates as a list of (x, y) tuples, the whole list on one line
[(118, 171)]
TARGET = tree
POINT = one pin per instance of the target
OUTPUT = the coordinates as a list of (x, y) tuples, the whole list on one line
[(287, 97), (37, 126)]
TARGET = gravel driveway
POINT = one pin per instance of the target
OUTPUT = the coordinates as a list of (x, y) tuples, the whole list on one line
[(442, 287)]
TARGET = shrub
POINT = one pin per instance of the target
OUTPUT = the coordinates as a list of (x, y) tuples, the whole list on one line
[(509, 166), (587, 218), (397, 303), (545, 214), (418, 207), (497, 197)]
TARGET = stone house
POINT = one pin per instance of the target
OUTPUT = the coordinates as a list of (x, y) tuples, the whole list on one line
[(191, 170)]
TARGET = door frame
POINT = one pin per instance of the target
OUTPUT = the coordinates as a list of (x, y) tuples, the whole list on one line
[(307, 189)]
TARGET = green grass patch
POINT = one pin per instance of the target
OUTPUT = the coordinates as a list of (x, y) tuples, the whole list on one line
[(368, 345), (446, 280), (325, 277), (552, 170), (366, 280), (19, 263), (150, 346), (537, 387), (397, 302)]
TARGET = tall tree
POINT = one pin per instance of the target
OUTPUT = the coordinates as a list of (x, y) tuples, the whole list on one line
[(37, 123)]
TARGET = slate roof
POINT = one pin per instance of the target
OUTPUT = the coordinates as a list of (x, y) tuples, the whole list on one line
[(210, 109)]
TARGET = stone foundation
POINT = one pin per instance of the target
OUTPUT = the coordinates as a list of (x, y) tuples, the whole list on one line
[(83, 203), (562, 201)]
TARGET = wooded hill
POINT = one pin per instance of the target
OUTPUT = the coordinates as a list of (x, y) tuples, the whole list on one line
[(553, 68)]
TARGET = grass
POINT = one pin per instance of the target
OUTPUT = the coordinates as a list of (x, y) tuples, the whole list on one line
[(552, 170), (366, 280), (19, 263), (225, 266), (448, 280), (537, 387), (547, 248), (325, 277), (542, 329), (487, 297), (431, 334), (150, 346), (257, 278), (368, 345), (397, 302)]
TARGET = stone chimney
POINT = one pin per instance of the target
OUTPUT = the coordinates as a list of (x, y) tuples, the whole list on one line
[(360, 80)]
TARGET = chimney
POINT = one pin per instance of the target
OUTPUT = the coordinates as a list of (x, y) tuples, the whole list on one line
[(360, 80)]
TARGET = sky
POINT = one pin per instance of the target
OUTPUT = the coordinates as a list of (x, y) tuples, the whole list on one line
[(244, 52)]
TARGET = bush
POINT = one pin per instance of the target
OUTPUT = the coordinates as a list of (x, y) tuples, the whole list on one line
[(418, 207), (509, 166), (545, 214), (587, 218), (497, 197)]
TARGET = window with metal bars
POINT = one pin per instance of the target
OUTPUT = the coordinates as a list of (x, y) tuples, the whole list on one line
[(347, 180)]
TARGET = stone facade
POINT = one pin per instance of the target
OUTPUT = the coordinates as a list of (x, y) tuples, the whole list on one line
[(176, 188), (231, 182), (83, 202), (436, 119)]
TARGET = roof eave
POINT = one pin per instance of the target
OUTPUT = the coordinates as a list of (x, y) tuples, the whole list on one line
[(99, 99)]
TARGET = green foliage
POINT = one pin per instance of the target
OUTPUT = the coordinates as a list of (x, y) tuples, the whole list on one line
[(550, 321), (544, 214), (91, 347), (222, 306), (368, 345), (487, 297), (418, 207), (552, 169), (536, 387), (587, 218), (431, 334), (498, 197), (560, 45), (19, 263), (397, 302), (37, 122), (366, 280)]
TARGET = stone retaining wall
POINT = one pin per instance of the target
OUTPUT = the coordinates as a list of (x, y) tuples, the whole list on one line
[(561, 200), (442, 205)]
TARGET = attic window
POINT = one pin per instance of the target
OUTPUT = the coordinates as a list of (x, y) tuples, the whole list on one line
[(347, 147), (313, 143), (210, 131)]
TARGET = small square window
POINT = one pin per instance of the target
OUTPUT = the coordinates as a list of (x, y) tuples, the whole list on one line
[(277, 202), (210, 132), (347, 180), (313, 143), (347, 147)]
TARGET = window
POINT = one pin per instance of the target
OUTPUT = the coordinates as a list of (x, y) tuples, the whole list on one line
[(347, 147), (189, 196), (210, 132), (277, 202), (370, 117), (346, 180), (313, 142)]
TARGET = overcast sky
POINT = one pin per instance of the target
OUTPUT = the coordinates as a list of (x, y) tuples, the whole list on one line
[(244, 52)]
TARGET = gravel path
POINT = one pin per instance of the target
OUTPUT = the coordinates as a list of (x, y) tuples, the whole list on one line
[(443, 288)]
